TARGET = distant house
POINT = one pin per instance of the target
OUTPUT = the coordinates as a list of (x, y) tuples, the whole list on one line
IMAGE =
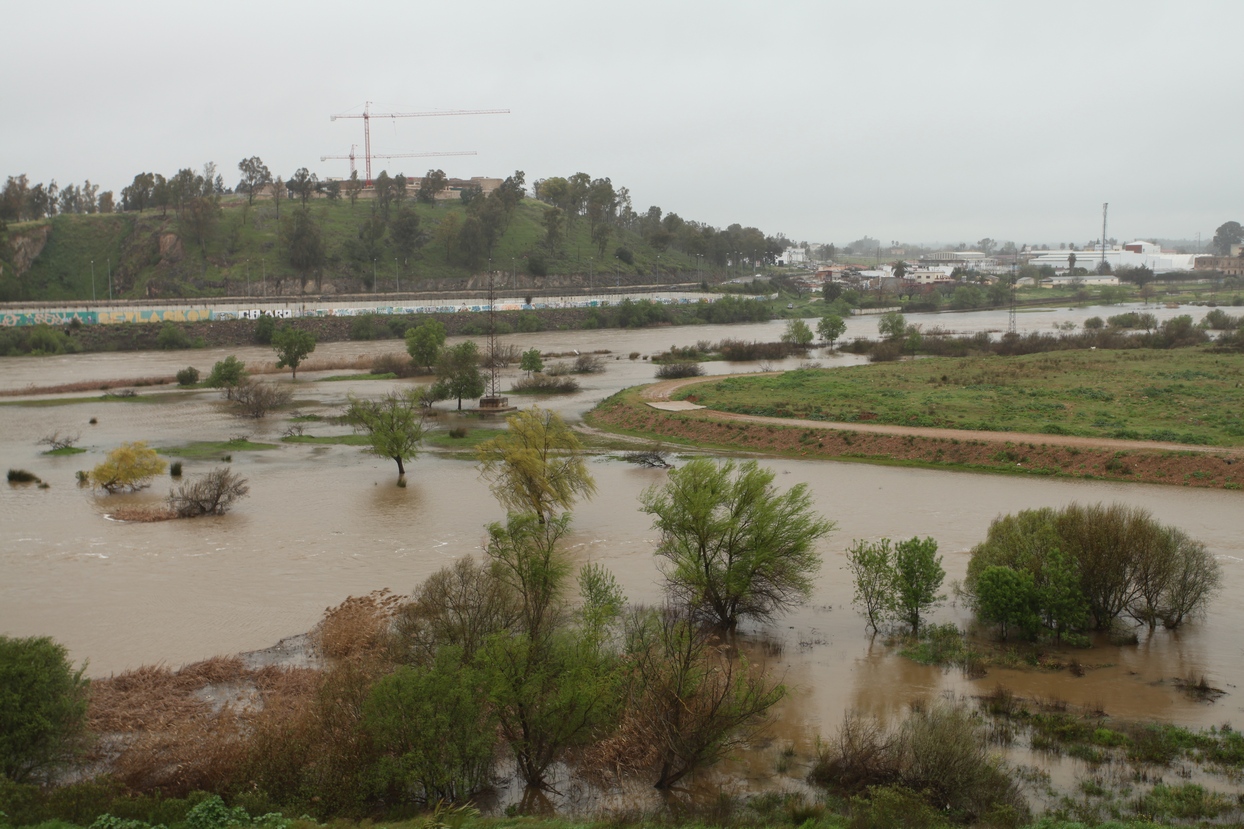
[(1228, 265), (972, 260)]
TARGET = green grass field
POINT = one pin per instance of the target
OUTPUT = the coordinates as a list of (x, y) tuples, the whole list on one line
[(1184, 396)]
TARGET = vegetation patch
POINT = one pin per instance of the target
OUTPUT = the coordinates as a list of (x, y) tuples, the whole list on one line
[(211, 449), (1106, 394), (328, 440), (365, 376)]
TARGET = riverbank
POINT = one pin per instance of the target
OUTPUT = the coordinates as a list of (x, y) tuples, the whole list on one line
[(630, 412)]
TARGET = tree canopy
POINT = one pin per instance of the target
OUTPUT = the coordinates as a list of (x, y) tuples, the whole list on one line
[(734, 547), (392, 424), (129, 466), (537, 466), (43, 704), (292, 346)]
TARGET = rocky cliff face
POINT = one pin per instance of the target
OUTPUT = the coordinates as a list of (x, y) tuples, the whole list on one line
[(27, 245)]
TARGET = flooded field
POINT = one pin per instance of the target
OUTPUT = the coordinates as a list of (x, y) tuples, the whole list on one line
[(325, 522)]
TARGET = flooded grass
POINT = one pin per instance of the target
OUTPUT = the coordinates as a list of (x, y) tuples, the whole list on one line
[(212, 449), (365, 376), (328, 440), (444, 439)]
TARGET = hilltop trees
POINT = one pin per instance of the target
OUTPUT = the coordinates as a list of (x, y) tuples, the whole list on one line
[(255, 176)]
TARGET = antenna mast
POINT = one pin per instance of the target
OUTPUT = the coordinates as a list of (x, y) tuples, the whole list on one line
[(1103, 234)]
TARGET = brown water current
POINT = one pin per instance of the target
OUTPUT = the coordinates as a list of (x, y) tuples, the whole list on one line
[(325, 522)]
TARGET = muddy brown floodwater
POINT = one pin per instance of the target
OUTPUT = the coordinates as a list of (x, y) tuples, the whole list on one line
[(325, 522)]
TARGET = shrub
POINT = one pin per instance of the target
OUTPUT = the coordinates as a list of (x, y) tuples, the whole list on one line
[(129, 466), (364, 327), (265, 327), (458, 432), (588, 364), (537, 265), (1094, 324), (670, 371), (43, 704), (172, 336), (188, 376), (211, 494), (226, 374), (251, 399), (417, 718), (625, 255), (399, 365), (174, 471), (885, 352), (22, 476), (539, 383)]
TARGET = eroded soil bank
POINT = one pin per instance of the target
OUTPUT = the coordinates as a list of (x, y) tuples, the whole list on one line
[(629, 411)]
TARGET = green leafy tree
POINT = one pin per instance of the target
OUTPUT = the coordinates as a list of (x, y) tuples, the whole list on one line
[(531, 361), (353, 187), (1007, 598), (292, 345), (404, 231), (1227, 234), (537, 465), (255, 176), (43, 703), (733, 546), (831, 327), (226, 374), (130, 466), (458, 374), (425, 341), (688, 703), (304, 245), (918, 575), (553, 686), (554, 223), (430, 185), (417, 717), (393, 424), (797, 333), (304, 184), (892, 325), (872, 567)]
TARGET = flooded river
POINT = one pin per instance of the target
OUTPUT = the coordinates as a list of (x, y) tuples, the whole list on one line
[(325, 522)]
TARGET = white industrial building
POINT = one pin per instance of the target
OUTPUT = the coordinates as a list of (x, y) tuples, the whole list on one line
[(1130, 255)]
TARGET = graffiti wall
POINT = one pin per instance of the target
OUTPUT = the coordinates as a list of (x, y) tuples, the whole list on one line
[(204, 313)]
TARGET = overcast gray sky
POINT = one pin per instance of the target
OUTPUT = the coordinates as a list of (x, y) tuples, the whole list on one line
[(909, 120)]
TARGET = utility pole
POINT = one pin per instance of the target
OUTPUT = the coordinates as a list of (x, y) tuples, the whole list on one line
[(92, 280)]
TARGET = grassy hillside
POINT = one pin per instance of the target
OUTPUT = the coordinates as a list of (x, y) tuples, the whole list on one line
[(154, 255)]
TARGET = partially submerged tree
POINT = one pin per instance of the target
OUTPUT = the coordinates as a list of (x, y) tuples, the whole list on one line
[(687, 701), (831, 327), (227, 374), (292, 346), (130, 466), (457, 373), (425, 341), (537, 465), (254, 399), (734, 547), (393, 424), (210, 494)]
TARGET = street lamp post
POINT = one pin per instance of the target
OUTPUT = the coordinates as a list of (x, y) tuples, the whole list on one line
[(264, 275), (373, 274), (396, 278), (109, 266), (92, 280), (248, 278)]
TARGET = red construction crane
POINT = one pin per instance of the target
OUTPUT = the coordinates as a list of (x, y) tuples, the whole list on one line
[(352, 156), (366, 115)]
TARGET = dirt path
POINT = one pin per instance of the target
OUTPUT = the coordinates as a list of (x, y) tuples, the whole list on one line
[(664, 390)]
